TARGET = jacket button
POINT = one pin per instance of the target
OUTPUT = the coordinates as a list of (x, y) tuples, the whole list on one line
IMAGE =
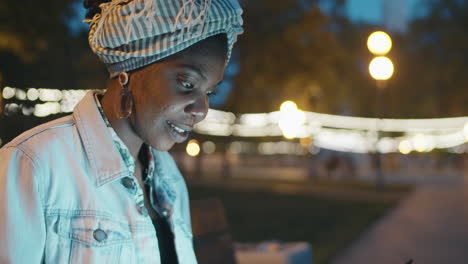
[(143, 211), (128, 183), (99, 235)]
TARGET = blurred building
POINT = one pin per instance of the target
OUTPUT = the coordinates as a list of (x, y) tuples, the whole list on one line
[(395, 14)]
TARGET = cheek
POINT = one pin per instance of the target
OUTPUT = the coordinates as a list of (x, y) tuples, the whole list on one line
[(174, 106), (148, 105), (159, 103), (153, 116)]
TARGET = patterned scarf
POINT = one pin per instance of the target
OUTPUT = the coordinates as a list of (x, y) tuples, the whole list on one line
[(130, 34)]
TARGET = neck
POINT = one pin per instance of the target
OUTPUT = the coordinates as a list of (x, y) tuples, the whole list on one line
[(122, 127)]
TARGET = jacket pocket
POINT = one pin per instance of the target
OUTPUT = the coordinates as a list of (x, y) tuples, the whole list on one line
[(96, 240)]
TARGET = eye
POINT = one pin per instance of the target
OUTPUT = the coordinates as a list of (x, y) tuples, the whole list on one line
[(211, 93), (187, 85)]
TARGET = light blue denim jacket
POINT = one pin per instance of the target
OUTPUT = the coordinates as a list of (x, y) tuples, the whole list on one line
[(62, 199)]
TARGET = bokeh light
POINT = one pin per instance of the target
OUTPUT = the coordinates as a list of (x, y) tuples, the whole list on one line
[(288, 106), (8, 92), (465, 131), (193, 148), (12, 109), (49, 108), (422, 143), (209, 147), (379, 43), (291, 119), (50, 95), (339, 133), (405, 147), (32, 94), (20, 94), (381, 68)]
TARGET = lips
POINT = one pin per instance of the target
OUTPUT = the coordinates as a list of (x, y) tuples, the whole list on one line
[(178, 132)]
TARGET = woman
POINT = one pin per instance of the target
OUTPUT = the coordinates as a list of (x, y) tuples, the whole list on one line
[(98, 186)]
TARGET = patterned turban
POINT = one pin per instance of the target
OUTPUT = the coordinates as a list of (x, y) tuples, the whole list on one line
[(130, 34)]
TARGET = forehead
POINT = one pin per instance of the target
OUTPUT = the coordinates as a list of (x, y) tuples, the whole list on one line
[(206, 65), (207, 51), (206, 58)]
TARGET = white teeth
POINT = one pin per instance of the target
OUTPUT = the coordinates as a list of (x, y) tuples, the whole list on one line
[(176, 128)]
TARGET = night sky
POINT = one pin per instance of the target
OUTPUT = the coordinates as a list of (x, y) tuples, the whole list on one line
[(370, 10), (358, 10)]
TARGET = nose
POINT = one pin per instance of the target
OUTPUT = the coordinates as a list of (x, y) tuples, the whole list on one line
[(198, 108)]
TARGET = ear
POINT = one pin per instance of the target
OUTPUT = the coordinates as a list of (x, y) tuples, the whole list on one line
[(124, 79)]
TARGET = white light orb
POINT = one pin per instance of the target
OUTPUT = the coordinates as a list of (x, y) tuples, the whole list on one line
[(193, 148), (465, 131), (32, 94), (208, 147), (291, 119), (381, 68), (405, 147), (20, 94), (422, 143), (379, 43), (288, 106), (8, 92)]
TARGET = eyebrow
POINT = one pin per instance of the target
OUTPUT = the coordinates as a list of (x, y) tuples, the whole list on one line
[(198, 71), (194, 69)]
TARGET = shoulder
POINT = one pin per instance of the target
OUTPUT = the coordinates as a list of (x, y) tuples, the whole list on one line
[(26, 154), (43, 137)]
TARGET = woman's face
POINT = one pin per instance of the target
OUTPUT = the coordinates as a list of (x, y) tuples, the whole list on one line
[(171, 96)]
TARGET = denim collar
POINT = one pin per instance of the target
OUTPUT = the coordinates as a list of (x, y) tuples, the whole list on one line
[(104, 158), (107, 163)]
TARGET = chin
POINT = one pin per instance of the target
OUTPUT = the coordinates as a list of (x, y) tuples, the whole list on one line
[(166, 146)]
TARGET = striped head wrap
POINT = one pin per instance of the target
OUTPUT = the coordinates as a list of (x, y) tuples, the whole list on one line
[(129, 34)]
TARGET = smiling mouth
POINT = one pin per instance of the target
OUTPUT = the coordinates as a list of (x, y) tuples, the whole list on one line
[(179, 133)]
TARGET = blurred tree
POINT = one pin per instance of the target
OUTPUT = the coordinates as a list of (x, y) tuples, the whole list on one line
[(291, 50), (434, 58), (36, 47), (37, 50)]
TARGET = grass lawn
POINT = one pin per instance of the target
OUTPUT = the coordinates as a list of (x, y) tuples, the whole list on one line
[(329, 225)]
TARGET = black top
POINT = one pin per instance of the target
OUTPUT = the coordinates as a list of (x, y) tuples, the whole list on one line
[(165, 241), (163, 230)]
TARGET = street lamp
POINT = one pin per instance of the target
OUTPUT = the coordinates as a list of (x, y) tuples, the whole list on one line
[(379, 43), (381, 69)]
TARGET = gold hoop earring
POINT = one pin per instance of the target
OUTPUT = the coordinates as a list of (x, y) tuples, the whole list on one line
[(125, 102)]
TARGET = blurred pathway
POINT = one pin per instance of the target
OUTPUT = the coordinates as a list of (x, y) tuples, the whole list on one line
[(303, 187), (430, 227)]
